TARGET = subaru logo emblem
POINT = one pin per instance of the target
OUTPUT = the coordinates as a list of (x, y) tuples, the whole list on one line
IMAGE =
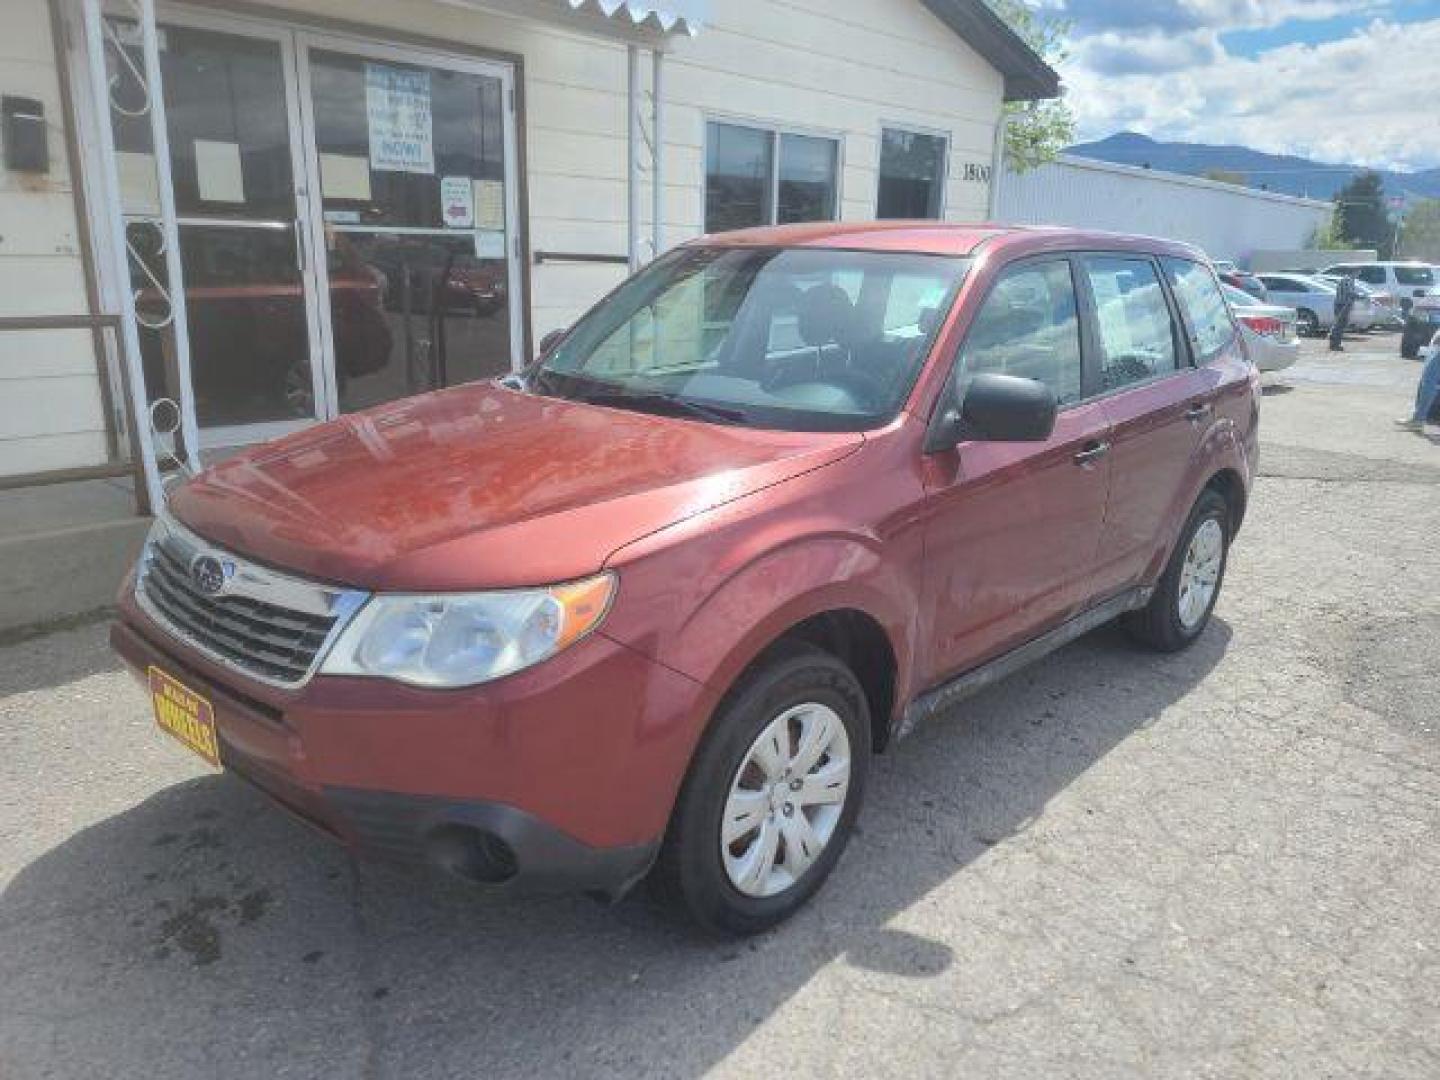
[(209, 574)]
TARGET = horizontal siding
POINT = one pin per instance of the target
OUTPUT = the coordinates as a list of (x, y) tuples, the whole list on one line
[(63, 405), (46, 453), (44, 354), (38, 223), (51, 415), (42, 285)]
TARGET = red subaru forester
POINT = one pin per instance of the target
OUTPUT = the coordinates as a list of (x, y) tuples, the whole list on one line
[(650, 607)]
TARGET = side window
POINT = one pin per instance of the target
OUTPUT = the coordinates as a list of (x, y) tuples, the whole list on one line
[(1028, 326), (1204, 307), (1137, 336), (1372, 275)]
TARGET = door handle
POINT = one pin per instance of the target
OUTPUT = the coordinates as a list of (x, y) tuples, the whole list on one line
[(1092, 453), (1198, 412)]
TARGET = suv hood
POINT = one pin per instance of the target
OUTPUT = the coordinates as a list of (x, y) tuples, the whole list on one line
[(481, 487)]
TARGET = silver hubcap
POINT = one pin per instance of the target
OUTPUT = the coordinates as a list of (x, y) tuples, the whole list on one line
[(785, 800), (1200, 574)]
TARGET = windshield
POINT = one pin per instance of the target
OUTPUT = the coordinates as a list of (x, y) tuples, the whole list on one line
[(800, 339), (1415, 275)]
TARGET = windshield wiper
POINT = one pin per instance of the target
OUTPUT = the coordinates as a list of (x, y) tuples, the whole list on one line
[(667, 404)]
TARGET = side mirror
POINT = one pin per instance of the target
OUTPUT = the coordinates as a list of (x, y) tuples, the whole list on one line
[(995, 408), (549, 341)]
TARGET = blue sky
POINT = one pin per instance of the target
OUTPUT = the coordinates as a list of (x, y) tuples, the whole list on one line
[(1338, 80), (1315, 31)]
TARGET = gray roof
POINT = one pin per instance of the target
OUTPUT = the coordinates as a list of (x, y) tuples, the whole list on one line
[(1027, 76)]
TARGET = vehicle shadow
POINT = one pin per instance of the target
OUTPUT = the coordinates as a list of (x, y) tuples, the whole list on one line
[(203, 932)]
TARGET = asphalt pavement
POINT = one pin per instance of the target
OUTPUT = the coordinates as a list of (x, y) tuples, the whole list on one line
[(1115, 864)]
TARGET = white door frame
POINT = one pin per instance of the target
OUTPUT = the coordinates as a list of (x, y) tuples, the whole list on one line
[(284, 38), (369, 48), (295, 41)]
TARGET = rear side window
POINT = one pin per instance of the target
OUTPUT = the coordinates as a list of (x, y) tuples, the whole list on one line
[(1211, 327), (1028, 326), (1372, 275), (1137, 335), (1415, 275)]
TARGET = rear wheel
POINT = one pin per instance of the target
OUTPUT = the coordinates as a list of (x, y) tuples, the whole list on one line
[(771, 797), (1410, 344), (1186, 593), (1308, 322)]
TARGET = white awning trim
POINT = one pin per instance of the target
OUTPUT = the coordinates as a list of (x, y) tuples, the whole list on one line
[(687, 15)]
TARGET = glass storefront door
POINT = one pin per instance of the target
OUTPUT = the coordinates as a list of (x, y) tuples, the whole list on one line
[(346, 219), (412, 158), (230, 112)]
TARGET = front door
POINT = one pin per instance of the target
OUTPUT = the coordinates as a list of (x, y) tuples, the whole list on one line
[(346, 212), (413, 160), (1013, 527), (230, 97)]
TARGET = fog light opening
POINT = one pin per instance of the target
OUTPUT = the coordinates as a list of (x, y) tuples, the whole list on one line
[(472, 854)]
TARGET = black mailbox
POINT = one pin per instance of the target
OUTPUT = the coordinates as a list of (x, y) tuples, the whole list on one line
[(22, 133)]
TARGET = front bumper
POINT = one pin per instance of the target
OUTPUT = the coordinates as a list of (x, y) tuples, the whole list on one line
[(559, 777)]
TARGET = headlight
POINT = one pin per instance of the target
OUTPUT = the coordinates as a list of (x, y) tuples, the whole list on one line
[(461, 639)]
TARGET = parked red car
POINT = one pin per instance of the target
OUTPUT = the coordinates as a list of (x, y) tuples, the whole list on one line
[(651, 610)]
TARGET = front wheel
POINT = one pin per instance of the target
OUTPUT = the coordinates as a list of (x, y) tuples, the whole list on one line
[(1186, 593), (1309, 323), (771, 796)]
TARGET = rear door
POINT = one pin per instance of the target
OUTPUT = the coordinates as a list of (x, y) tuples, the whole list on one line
[(1013, 527), (1158, 401)]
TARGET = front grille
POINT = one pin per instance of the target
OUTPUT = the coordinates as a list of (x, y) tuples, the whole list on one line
[(248, 625)]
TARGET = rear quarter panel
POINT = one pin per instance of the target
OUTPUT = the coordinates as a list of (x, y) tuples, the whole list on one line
[(1230, 442)]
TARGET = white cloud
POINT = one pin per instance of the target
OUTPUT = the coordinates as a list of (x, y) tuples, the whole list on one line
[(1369, 98)]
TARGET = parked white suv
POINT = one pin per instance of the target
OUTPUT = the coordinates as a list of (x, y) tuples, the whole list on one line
[(1402, 280)]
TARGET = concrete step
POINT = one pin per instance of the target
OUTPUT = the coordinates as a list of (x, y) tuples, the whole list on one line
[(53, 575)]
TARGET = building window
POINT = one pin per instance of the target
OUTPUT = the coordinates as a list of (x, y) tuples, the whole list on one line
[(912, 174), (756, 176)]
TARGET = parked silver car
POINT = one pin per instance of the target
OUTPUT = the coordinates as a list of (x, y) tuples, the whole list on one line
[(1371, 310), (1270, 331), (1312, 299)]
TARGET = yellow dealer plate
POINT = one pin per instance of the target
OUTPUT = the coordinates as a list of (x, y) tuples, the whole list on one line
[(184, 714)]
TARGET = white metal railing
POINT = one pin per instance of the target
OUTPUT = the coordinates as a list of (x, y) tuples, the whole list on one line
[(102, 41)]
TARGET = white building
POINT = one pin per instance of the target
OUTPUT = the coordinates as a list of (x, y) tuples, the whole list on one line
[(353, 200), (1227, 221)]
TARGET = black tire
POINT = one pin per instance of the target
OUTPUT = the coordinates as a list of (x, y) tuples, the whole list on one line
[(689, 871), (1309, 323), (1158, 625), (1410, 345)]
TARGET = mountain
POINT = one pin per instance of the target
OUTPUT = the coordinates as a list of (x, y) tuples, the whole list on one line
[(1277, 172)]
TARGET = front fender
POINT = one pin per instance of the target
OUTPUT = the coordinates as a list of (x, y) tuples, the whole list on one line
[(781, 588)]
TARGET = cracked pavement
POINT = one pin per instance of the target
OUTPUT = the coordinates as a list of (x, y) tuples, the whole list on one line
[(1115, 864)]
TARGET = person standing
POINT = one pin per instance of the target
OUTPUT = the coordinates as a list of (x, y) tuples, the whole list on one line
[(1428, 392), (1345, 296)]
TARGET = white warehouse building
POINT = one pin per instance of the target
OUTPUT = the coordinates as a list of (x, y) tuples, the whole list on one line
[(1227, 221)]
